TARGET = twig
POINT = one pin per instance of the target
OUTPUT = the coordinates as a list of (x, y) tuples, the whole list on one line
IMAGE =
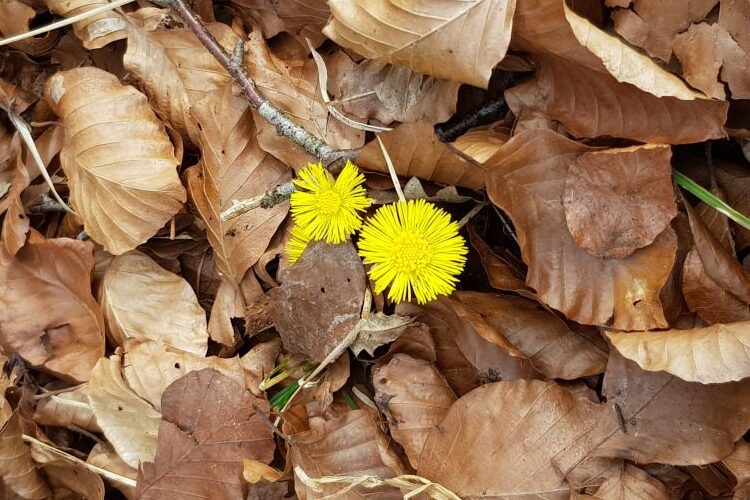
[(391, 170), (67, 456), (268, 199)]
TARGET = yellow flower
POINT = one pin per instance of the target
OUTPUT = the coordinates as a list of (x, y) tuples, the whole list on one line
[(329, 210), (297, 243), (415, 248)]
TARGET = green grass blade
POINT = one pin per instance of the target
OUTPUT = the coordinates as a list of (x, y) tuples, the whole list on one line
[(710, 199)]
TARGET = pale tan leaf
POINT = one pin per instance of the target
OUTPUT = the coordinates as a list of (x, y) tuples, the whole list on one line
[(232, 167), (377, 330), (104, 456), (142, 300), (351, 444), (96, 31), (66, 476), (701, 51), (149, 368), (258, 363), (228, 304), (18, 472), (630, 482), (480, 144), (47, 313), (128, 422), (526, 178), (417, 152), (176, 70), (298, 96), (15, 19), (414, 396), (455, 40), (70, 408), (120, 164), (534, 432), (202, 442), (710, 355)]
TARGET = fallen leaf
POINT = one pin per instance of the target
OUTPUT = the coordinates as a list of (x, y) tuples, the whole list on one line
[(738, 463), (299, 17), (209, 425), (104, 456), (128, 422), (254, 472), (418, 35), (15, 18), (65, 476), (619, 200), (141, 300), (499, 272), (96, 31), (136, 169), (228, 304), (652, 25), (351, 444), (15, 223), (552, 347), (232, 167), (319, 300), (415, 397), (66, 409), (631, 482), (258, 362), (176, 70), (417, 152), (710, 355), (480, 144), (298, 96), (48, 314), (533, 431), (586, 289), (18, 471), (149, 368), (668, 420), (377, 330)]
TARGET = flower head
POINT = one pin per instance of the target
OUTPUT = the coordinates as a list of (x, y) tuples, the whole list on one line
[(297, 243), (415, 248), (329, 210)]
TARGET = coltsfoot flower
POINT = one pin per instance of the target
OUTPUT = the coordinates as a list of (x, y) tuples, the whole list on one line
[(326, 209), (414, 248), (297, 243)]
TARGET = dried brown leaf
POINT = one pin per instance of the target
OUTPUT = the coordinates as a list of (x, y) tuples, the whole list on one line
[(258, 363), (417, 152), (176, 70), (299, 17), (631, 482), (552, 347), (141, 300), (210, 423), (120, 164), (66, 409), (104, 456), (533, 431), (96, 31), (377, 330), (18, 472), (738, 463), (668, 420), (499, 272), (586, 289), (128, 422), (619, 200), (425, 37), (67, 478), (48, 314), (416, 397), (233, 166), (319, 300), (15, 223), (351, 444), (15, 19)]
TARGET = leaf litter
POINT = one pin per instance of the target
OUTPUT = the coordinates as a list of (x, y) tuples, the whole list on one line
[(587, 162)]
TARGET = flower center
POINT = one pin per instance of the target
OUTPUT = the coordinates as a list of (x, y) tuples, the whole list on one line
[(329, 202), (411, 253)]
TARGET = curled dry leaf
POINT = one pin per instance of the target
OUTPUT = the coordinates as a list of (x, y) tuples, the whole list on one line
[(670, 421), (298, 17), (141, 300), (48, 314), (351, 444), (175, 70), (15, 223), (18, 471), (619, 200), (631, 482), (738, 463), (149, 368), (499, 272), (378, 329), (65, 476), (552, 347), (233, 166), (209, 425), (710, 355), (96, 31), (298, 96), (466, 357), (455, 40), (586, 289), (319, 300), (534, 431), (104, 456), (114, 144), (70, 408), (414, 396), (15, 19), (258, 363), (417, 152), (128, 422)]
